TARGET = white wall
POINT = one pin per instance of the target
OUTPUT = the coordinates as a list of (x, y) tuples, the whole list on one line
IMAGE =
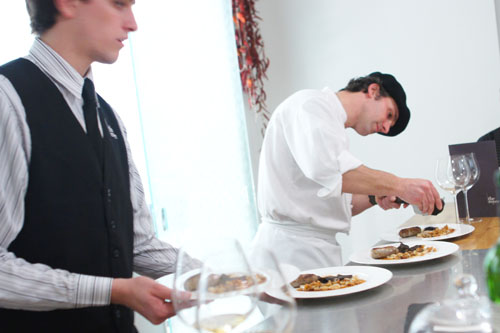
[(445, 53)]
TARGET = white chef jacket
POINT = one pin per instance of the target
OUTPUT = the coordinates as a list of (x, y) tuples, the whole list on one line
[(304, 154)]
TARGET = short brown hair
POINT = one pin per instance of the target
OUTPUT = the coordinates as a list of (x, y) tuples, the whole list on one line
[(42, 14)]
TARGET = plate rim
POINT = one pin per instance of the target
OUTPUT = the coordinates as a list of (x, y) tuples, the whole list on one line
[(386, 277)]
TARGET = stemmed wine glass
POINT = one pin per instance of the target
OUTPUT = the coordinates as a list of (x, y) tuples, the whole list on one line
[(218, 294), (462, 174), (276, 307), (474, 177), (452, 175), (184, 297)]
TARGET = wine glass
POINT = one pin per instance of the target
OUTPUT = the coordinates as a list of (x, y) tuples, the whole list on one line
[(451, 176), (469, 312), (219, 294), (276, 307), (475, 173), (461, 174), (184, 287)]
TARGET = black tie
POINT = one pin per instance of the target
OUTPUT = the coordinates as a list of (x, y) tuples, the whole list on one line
[(90, 115)]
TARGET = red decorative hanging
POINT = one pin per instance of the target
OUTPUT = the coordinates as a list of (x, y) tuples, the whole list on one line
[(251, 58)]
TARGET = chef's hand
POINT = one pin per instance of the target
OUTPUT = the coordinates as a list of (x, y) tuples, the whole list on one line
[(388, 202), (145, 296), (422, 193)]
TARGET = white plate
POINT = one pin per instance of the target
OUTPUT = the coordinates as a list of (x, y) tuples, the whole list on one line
[(442, 249), (373, 276), (460, 230)]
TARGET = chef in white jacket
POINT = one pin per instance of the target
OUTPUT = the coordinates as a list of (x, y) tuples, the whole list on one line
[(310, 185)]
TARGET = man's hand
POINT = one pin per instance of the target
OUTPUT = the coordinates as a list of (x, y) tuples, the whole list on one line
[(422, 193), (388, 202), (145, 296)]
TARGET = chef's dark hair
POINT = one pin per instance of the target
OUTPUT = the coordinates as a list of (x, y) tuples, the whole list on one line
[(42, 14), (362, 83)]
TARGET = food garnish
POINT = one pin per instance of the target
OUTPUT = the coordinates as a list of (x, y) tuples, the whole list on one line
[(402, 251), (428, 232), (221, 283), (435, 232), (313, 282)]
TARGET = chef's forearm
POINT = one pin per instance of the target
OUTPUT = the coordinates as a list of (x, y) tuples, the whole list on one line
[(419, 192), (364, 180)]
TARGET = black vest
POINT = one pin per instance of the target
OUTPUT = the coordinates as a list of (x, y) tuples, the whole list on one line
[(78, 214), (493, 135)]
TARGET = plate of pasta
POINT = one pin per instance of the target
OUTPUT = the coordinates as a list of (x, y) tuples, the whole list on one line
[(440, 231), (338, 281), (404, 253)]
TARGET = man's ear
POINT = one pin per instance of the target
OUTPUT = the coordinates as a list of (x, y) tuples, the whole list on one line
[(66, 8), (374, 90)]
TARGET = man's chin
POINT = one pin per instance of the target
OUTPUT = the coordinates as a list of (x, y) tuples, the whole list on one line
[(109, 59), (364, 133)]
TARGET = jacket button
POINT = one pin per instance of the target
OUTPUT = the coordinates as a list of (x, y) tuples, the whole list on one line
[(113, 224), (117, 313), (116, 253)]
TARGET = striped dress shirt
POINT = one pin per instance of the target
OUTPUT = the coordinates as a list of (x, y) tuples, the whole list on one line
[(34, 286)]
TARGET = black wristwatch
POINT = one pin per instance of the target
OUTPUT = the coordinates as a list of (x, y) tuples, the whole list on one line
[(372, 200)]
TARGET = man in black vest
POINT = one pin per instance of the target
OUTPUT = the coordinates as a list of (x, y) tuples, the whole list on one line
[(73, 220), (495, 136)]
